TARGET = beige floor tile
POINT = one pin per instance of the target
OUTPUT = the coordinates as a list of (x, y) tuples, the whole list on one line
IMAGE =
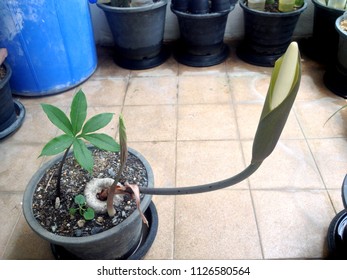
[(293, 224), (10, 211), (27, 245), (169, 68), (36, 127), (153, 91), (204, 89), (184, 70), (248, 115), (107, 68), (162, 158), (203, 162), (150, 123), (19, 163), (331, 158), (213, 226), (163, 246), (206, 122), (336, 198), (290, 166), (313, 117), (249, 86), (105, 92)]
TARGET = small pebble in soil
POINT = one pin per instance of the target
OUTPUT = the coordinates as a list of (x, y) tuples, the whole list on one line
[(81, 223), (78, 233), (95, 230)]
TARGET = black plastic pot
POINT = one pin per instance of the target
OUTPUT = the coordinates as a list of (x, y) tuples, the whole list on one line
[(118, 242), (201, 41), (335, 78), (12, 112), (323, 44), (220, 5), (180, 5), (199, 6), (266, 35), (337, 231), (138, 34)]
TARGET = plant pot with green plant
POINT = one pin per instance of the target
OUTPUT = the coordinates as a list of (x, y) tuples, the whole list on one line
[(12, 112), (268, 29), (83, 202), (323, 44), (335, 78), (137, 28), (202, 29)]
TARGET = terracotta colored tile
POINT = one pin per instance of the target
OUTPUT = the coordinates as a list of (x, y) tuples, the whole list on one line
[(203, 162), (293, 224), (331, 158), (206, 122), (213, 226), (152, 91), (204, 89), (290, 166)]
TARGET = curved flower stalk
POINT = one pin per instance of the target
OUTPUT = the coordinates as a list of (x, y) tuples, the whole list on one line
[(284, 85)]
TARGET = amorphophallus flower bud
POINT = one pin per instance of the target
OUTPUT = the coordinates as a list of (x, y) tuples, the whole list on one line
[(284, 85)]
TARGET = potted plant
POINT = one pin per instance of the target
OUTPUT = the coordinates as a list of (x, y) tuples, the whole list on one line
[(12, 112), (284, 85), (137, 28), (202, 29), (58, 200), (268, 30), (323, 44), (335, 78)]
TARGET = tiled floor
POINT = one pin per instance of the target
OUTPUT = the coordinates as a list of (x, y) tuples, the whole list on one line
[(196, 125)]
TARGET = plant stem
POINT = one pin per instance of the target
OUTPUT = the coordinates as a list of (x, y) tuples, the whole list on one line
[(204, 188), (58, 192)]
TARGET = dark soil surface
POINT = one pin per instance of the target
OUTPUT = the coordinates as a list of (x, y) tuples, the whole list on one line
[(74, 180)]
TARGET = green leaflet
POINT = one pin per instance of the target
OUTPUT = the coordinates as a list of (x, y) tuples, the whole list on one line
[(97, 122), (57, 145), (78, 112), (83, 155), (277, 108), (58, 118), (102, 141)]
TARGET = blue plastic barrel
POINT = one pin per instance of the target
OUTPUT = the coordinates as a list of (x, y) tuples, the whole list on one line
[(50, 44)]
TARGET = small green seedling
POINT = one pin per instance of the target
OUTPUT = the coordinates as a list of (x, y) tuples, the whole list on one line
[(82, 209)]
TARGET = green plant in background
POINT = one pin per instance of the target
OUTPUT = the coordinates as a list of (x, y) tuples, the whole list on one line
[(335, 4), (275, 5), (82, 209), (76, 129)]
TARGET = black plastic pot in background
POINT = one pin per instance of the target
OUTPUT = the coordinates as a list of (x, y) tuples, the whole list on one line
[(180, 5), (220, 5), (337, 232), (335, 78), (266, 35), (322, 45), (138, 34), (11, 112), (201, 41)]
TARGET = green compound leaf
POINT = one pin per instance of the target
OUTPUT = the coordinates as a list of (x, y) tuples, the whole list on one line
[(83, 155), (97, 122), (58, 118), (89, 214), (78, 111), (57, 145), (102, 141)]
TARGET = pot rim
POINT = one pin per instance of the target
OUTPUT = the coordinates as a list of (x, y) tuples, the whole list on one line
[(66, 240), (338, 26), (202, 16), (121, 10), (315, 2), (243, 5)]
